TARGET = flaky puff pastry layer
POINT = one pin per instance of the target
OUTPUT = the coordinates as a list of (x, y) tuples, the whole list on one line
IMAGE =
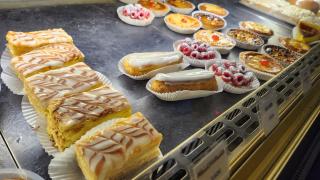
[(165, 87), (72, 116), (23, 42), (118, 149), (45, 58)]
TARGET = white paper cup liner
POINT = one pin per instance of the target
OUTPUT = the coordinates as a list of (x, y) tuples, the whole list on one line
[(182, 30), (185, 94), (200, 4), (196, 62), (166, 69), (65, 166), (214, 15), (39, 124), (134, 22), (241, 90), (182, 10)]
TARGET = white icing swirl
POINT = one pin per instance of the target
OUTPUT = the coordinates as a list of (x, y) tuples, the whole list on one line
[(153, 58), (187, 75)]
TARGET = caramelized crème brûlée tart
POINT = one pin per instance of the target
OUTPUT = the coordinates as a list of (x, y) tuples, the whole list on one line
[(212, 8), (284, 55), (157, 7), (193, 80), (294, 45), (72, 116), (260, 62), (137, 64), (43, 87), (22, 42), (255, 27), (45, 58), (117, 150), (209, 21)]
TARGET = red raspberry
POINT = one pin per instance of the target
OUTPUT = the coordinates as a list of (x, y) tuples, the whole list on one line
[(134, 15), (194, 46), (219, 71), (126, 12), (227, 76), (211, 55), (214, 67), (238, 79), (194, 54)]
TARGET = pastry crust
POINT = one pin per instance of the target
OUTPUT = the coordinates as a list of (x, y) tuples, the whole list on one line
[(118, 149), (158, 8), (71, 116), (294, 45), (42, 88), (256, 28), (193, 80), (213, 8), (22, 42), (138, 64), (45, 58)]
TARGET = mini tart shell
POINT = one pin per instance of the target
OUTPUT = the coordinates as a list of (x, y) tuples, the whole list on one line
[(181, 30), (135, 22), (260, 74), (181, 10), (245, 45), (264, 35), (210, 14), (202, 4)]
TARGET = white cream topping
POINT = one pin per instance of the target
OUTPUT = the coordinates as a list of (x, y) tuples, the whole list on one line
[(152, 58), (187, 75)]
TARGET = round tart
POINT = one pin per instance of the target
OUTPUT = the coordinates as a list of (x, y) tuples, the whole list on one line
[(181, 6), (158, 8), (135, 15), (284, 55), (212, 8), (196, 53), (209, 20), (262, 30), (218, 40), (264, 66), (237, 78), (246, 39), (294, 45), (181, 23)]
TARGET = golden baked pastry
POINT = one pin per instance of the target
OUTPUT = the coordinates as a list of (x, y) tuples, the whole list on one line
[(210, 21), (256, 28), (72, 116), (41, 88), (213, 8), (260, 62), (245, 36), (214, 38), (45, 58), (294, 45), (157, 7), (180, 3), (306, 32), (118, 149), (22, 42), (137, 64), (285, 56), (195, 79), (182, 21)]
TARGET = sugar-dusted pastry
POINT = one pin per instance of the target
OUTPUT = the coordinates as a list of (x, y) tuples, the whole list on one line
[(22, 42), (183, 24), (181, 6), (137, 64), (258, 28), (213, 8), (45, 58), (193, 80), (209, 20), (158, 8), (294, 45), (41, 88), (119, 149), (71, 116)]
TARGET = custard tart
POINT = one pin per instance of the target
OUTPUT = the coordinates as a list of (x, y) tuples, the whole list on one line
[(158, 8), (181, 6), (246, 39), (209, 20), (258, 28), (294, 45), (183, 24), (213, 8)]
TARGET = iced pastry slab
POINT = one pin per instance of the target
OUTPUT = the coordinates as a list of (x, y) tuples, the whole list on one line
[(141, 63), (71, 116), (46, 58), (42, 88), (195, 79), (22, 42), (118, 149)]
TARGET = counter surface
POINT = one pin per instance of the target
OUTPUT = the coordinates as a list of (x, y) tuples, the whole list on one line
[(104, 39)]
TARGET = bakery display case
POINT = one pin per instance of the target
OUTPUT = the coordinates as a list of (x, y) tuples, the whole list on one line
[(210, 89)]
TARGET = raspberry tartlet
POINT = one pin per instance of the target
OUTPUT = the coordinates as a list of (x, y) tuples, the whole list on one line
[(196, 53), (135, 14), (236, 77)]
